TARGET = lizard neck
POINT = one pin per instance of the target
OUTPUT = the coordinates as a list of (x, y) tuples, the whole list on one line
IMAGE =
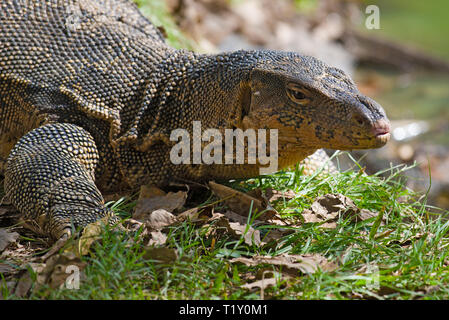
[(186, 87), (207, 88), (182, 87)]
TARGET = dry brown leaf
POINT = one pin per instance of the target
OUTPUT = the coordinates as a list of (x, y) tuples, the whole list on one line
[(306, 263), (238, 218), (406, 241), (250, 235), (23, 286), (59, 267), (54, 272), (198, 214), (170, 202), (6, 269), (239, 225), (150, 191), (272, 234), (160, 254), (242, 203), (266, 278), (131, 224), (273, 195), (261, 284), (236, 230), (275, 234), (159, 219), (90, 234), (157, 238), (330, 207), (6, 238), (365, 214), (256, 193)]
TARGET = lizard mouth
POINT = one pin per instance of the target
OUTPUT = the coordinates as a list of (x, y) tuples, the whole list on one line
[(381, 131)]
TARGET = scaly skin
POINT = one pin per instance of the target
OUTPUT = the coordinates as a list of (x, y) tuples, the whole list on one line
[(90, 92)]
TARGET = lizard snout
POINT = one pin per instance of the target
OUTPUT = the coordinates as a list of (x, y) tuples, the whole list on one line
[(371, 122)]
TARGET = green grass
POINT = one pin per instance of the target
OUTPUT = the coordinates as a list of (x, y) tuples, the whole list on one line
[(157, 12), (410, 252)]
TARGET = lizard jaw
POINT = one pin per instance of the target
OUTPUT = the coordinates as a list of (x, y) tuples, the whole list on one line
[(381, 131)]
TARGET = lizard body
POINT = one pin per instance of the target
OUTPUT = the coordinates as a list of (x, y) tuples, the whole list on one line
[(90, 94)]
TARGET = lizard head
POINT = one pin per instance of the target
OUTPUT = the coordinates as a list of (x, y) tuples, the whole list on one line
[(312, 105)]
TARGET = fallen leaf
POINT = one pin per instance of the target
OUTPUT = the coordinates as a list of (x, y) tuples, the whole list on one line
[(6, 238), (408, 240), (242, 203), (150, 191), (273, 195), (365, 214), (23, 286), (262, 284), (310, 217), (235, 225), (198, 214), (266, 278), (306, 263), (160, 254), (334, 205), (256, 193), (131, 224), (157, 238), (237, 230), (6, 269), (239, 218), (54, 273), (329, 208), (90, 234), (59, 267), (159, 219), (250, 235), (170, 202), (275, 234)]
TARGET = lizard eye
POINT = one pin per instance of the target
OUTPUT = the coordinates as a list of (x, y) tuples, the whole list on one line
[(297, 94)]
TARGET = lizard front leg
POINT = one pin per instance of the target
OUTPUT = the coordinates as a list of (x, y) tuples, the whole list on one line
[(49, 178)]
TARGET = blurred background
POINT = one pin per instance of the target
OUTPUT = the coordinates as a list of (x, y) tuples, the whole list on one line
[(397, 51)]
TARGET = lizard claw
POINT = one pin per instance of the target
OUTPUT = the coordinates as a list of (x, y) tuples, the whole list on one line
[(65, 236)]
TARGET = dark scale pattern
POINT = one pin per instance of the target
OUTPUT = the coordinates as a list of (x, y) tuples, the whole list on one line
[(50, 177), (90, 92)]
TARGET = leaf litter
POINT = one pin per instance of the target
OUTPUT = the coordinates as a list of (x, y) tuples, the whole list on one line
[(241, 214), (328, 209)]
